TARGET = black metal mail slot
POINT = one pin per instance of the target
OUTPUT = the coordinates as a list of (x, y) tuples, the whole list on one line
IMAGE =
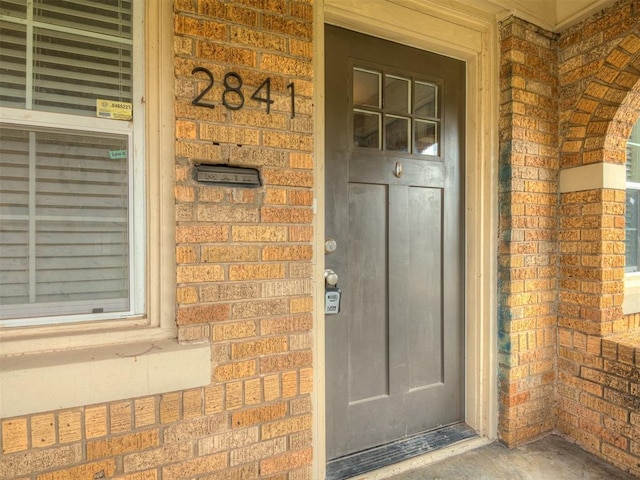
[(228, 176)]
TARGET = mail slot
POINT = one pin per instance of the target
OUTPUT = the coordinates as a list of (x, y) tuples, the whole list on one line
[(228, 176)]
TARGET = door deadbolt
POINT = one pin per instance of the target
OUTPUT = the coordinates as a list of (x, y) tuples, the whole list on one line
[(330, 246)]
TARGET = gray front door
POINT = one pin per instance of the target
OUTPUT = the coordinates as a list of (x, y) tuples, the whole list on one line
[(394, 206)]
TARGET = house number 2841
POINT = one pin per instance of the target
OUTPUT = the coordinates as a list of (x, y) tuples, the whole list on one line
[(232, 96)]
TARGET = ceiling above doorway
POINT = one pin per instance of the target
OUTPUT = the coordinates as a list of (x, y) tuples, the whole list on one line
[(553, 15)]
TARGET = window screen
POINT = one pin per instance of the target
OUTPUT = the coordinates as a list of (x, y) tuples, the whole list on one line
[(66, 203), (61, 56)]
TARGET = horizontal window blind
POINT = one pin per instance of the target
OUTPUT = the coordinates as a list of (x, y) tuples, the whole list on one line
[(13, 65), (16, 8), (110, 17), (62, 56), (71, 73), (64, 230)]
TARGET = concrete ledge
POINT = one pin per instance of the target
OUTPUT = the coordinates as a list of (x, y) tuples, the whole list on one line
[(593, 177), (630, 341), (64, 379)]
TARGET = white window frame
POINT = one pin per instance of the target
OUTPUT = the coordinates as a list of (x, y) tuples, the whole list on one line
[(44, 314), (634, 186), (111, 359), (631, 303)]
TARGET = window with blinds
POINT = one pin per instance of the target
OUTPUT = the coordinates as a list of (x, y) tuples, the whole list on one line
[(632, 212), (67, 229)]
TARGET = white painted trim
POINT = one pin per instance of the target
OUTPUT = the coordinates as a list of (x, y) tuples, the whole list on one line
[(160, 171), (319, 405), (452, 31), (552, 15), (593, 177), (403, 21), (576, 13), (57, 380)]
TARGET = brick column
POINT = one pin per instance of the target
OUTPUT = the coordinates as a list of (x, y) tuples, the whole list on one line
[(244, 273), (527, 266), (591, 260)]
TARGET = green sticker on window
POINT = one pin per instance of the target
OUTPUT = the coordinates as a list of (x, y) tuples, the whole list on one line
[(117, 154)]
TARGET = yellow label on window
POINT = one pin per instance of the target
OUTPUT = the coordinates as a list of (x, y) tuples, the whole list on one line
[(114, 110)]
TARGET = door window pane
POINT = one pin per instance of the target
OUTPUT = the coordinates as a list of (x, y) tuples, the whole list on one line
[(397, 133), (366, 129), (426, 105), (366, 88), (397, 93), (426, 138)]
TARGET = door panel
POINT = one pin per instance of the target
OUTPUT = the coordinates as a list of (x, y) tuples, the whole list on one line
[(368, 354), (425, 287), (394, 206)]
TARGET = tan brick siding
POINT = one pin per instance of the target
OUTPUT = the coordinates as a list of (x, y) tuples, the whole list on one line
[(527, 259), (568, 359), (240, 278), (243, 275), (594, 394), (597, 361)]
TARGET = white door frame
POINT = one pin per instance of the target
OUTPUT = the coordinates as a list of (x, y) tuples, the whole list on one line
[(468, 35)]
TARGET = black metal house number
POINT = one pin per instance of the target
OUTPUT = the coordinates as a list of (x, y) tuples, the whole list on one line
[(232, 96)]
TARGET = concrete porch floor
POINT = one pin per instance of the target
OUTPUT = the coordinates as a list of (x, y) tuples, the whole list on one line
[(550, 458)]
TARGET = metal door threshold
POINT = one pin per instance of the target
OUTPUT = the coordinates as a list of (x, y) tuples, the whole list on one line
[(397, 451)]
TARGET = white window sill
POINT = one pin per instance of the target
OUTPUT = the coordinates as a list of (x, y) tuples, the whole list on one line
[(64, 379), (631, 302)]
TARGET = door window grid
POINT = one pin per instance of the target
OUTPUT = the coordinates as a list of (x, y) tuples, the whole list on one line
[(408, 108), (76, 206)]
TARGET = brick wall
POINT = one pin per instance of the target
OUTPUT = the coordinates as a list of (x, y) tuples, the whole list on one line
[(243, 276), (596, 383), (527, 259), (244, 256), (597, 354), (568, 359)]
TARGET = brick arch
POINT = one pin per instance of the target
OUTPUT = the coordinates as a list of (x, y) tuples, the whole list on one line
[(595, 131), (594, 335), (620, 126), (597, 128)]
